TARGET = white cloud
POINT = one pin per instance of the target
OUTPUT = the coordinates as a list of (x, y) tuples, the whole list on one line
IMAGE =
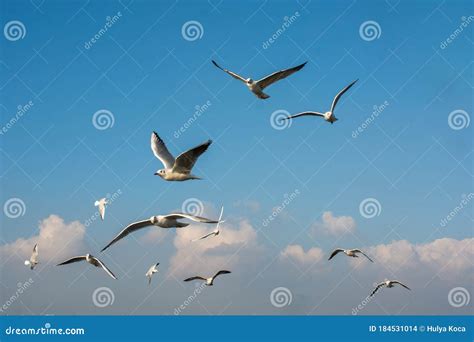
[(335, 225), (297, 254), (56, 240)]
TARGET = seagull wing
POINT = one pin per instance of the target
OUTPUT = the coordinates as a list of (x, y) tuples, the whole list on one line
[(233, 74), (73, 259), (102, 210), (127, 230), (205, 236), (186, 160), (279, 75), (195, 278), (377, 288), (359, 251), (338, 96), (105, 268), (161, 151), (335, 252), (303, 114), (178, 216), (34, 255), (221, 272), (397, 282)]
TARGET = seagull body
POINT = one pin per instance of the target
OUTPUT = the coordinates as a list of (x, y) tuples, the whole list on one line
[(388, 284), (209, 281), (328, 116), (101, 204), (349, 252), (257, 87), (91, 260), (33, 259), (216, 231), (162, 221), (178, 169), (152, 270)]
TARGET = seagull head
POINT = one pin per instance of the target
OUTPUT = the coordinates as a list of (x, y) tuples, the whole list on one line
[(249, 80), (153, 219), (160, 173)]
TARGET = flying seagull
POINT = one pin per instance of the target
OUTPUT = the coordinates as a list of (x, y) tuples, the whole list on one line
[(388, 284), (257, 87), (328, 116), (178, 169), (33, 259), (349, 252), (162, 221), (209, 281), (152, 270), (216, 231), (101, 204), (91, 260)]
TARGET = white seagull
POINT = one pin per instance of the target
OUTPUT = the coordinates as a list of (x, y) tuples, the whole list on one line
[(349, 252), (209, 281), (162, 221), (328, 116), (388, 284), (216, 231), (152, 270), (178, 169), (91, 260), (33, 259), (101, 204), (257, 87)]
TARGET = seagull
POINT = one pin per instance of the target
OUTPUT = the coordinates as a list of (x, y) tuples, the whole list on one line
[(257, 87), (152, 270), (216, 231), (33, 259), (101, 204), (328, 116), (162, 221), (178, 169), (209, 281), (91, 260), (349, 252), (389, 284)]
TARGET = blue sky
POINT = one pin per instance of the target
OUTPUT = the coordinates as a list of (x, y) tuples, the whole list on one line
[(149, 77)]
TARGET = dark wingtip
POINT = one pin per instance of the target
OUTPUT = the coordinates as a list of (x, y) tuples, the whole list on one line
[(214, 62)]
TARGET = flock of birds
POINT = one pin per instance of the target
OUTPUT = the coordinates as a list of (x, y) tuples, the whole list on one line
[(179, 169)]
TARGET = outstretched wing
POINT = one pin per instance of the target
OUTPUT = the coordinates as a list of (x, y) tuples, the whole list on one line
[(127, 230), (233, 74), (73, 259), (335, 252), (303, 114), (397, 282), (186, 160), (177, 216), (204, 237), (221, 272), (105, 268), (279, 75), (161, 151), (338, 96), (359, 251), (377, 288), (195, 278), (34, 255)]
